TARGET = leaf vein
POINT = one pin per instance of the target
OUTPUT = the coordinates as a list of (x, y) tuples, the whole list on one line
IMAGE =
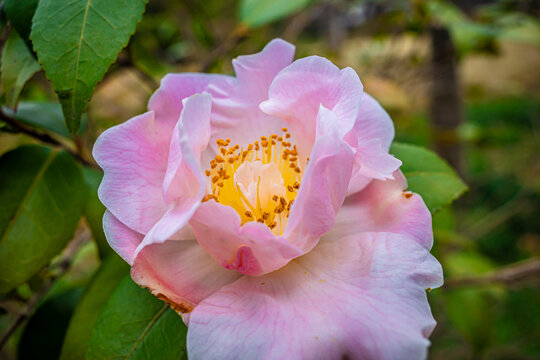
[(147, 329), (78, 58), (93, 8), (89, 44)]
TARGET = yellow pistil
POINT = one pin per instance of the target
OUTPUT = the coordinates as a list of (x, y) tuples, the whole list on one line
[(267, 183)]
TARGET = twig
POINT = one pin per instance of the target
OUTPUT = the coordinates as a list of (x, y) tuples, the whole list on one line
[(44, 138), (519, 203), (233, 39), (58, 269), (526, 271), (300, 21)]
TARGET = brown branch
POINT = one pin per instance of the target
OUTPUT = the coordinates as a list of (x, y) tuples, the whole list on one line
[(300, 21), (523, 272), (44, 138), (234, 38), (57, 270)]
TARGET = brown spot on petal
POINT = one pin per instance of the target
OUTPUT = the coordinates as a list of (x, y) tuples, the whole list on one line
[(183, 307), (407, 194)]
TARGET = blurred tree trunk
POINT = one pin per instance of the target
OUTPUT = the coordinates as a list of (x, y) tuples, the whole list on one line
[(445, 106)]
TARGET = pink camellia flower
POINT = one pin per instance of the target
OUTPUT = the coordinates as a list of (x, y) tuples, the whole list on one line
[(266, 209)]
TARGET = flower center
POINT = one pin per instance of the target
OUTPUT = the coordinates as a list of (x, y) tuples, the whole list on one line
[(259, 182)]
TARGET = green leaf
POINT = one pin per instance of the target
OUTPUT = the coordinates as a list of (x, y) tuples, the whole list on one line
[(94, 210), (256, 13), (20, 14), (42, 195), (472, 312), (468, 263), (43, 335), (76, 42), (18, 66), (136, 325), (111, 272), (44, 115), (428, 175)]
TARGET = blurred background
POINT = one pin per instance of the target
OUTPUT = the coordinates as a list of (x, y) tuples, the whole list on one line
[(459, 77)]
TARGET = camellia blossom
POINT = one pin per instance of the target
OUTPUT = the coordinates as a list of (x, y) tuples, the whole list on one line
[(266, 209)]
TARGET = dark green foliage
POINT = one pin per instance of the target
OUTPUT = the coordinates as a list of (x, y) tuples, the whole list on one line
[(43, 115), (42, 194), (43, 336), (94, 210), (77, 48), (136, 325), (111, 272), (20, 14), (18, 66)]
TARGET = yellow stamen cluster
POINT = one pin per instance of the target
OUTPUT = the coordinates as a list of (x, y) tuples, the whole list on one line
[(269, 208)]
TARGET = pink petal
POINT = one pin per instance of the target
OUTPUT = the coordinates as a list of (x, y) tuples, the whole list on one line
[(361, 297), (375, 162), (125, 241), (250, 249), (385, 206), (167, 100), (184, 184), (179, 272), (298, 91), (371, 137), (256, 72), (373, 122), (133, 156), (323, 187), (121, 238), (236, 112)]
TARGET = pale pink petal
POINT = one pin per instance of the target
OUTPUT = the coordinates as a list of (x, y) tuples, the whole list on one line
[(125, 241), (375, 162), (371, 161), (133, 156), (373, 122), (184, 184), (300, 89), (385, 206), (235, 113), (180, 272), (121, 238), (167, 100), (250, 249), (255, 73), (323, 188), (371, 137), (361, 297)]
